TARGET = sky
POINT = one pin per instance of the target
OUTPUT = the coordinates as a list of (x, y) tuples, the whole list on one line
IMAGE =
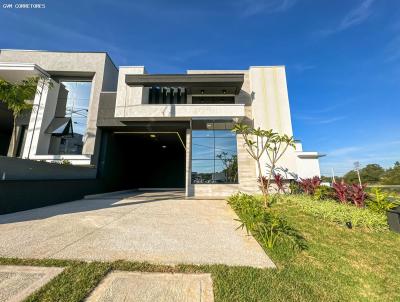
[(342, 57)]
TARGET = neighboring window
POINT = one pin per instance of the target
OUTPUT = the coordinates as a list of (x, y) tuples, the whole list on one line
[(214, 153), (73, 103), (213, 100)]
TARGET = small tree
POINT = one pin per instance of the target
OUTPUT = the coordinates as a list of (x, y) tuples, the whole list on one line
[(259, 142), (15, 97)]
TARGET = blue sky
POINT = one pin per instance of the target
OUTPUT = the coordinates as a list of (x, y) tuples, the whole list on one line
[(342, 57)]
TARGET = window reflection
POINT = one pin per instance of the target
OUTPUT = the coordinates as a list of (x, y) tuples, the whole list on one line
[(214, 156), (73, 104)]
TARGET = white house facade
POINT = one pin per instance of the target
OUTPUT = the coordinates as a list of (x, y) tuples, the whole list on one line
[(142, 130)]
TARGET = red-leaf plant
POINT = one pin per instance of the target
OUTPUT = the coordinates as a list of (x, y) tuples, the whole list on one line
[(356, 193), (341, 191), (309, 185), (279, 182)]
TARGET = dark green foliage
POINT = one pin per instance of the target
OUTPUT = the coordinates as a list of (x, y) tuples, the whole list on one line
[(392, 175), (370, 174)]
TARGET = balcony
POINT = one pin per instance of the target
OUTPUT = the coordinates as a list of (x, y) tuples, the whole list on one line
[(179, 96)]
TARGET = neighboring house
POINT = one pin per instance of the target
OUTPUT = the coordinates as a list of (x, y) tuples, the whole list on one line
[(152, 130)]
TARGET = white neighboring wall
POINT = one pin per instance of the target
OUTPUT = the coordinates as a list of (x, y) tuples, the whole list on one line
[(307, 162)]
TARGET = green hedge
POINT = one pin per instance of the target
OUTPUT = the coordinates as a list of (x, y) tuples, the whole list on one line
[(334, 211)]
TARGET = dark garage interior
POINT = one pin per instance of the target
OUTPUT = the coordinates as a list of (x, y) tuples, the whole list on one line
[(142, 159), (6, 127)]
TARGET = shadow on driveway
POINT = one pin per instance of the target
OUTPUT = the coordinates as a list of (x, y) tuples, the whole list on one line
[(97, 202)]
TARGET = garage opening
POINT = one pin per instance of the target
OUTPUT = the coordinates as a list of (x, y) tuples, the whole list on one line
[(143, 159)]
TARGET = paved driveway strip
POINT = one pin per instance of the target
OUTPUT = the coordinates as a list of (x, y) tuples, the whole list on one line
[(158, 227)]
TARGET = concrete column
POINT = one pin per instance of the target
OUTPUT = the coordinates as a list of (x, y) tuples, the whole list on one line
[(189, 187)]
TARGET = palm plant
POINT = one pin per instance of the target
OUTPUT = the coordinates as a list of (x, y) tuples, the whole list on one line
[(15, 96)]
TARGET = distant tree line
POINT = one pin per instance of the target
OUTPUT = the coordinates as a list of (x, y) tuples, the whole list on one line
[(371, 174)]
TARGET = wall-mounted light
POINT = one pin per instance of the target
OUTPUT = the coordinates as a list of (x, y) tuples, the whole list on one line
[(163, 146), (202, 91), (152, 135), (224, 91)]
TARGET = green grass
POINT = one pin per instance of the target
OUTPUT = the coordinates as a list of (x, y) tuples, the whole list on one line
[(339, 264)]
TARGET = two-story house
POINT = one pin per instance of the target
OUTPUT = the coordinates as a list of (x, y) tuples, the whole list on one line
[(144, 130)]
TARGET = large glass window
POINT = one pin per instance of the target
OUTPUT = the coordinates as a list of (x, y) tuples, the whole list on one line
[(214, 153), (71, 113)]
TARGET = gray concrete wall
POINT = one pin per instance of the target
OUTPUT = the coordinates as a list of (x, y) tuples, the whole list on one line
[(21, 195), (24, 169)]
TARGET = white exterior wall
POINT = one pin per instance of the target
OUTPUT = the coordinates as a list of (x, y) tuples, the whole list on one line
[(270, 108)]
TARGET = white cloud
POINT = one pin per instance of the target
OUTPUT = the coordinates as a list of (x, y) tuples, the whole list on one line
[(318, 120), (301, 67), (392, 52), (250, 8), (354, 17)]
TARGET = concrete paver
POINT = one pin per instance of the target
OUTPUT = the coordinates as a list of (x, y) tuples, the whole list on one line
[(153, 287), (18, 282)]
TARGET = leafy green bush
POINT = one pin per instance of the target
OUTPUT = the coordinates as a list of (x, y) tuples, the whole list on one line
[(268, 227), (323, 193), (331, 210), (378, 201), (294, 187)]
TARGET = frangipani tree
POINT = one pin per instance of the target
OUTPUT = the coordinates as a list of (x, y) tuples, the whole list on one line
[(16, 96), (259, 142)]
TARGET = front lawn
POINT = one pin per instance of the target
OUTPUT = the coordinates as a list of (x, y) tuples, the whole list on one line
[(339, 264)]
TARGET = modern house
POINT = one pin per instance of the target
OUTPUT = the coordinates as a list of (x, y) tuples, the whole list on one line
[(142, 130)]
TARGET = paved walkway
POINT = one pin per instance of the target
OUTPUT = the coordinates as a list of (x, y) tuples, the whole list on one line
[(158, 227)]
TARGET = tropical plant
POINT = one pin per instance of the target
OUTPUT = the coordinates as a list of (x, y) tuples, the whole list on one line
[(259, 142), (274, 229), (16, 97), (278, 179), (279, 183), (340, 191), (309, 185), (378, 201), (268, 227), (356, 193)]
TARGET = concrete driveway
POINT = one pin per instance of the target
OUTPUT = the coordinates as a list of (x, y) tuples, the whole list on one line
[(158, 227)]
